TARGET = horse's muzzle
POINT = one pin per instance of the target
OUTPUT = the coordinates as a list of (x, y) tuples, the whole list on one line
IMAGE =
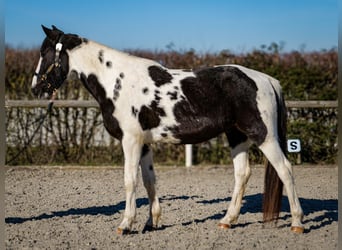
[(35, 91), (40, 93)]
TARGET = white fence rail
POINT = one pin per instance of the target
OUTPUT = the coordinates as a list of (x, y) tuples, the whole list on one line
[(93, 103)]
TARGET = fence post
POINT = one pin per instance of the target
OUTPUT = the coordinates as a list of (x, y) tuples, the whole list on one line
[(188, 155)]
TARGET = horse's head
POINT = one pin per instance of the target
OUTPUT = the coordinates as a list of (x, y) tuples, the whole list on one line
[(53, 65)]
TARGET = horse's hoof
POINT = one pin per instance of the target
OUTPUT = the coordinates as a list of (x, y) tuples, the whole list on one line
[(121, 231), (149, 228), (298, 230), (223, 226)]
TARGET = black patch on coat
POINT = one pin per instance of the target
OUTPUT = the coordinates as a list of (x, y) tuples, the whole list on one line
[(235, 137), (148, 119), (157, 98), (106, 105), (116, 90), (159, 75), (282, 120), (149, 116), (100, 56), (109, 64), (134, 111), (117, 84), (70, 41), (122, 75), (145, 90), (116, 95), (218, 100), (163, 135), (173, 95), (158, 110)]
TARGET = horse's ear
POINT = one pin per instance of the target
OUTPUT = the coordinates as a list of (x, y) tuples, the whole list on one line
[(46, 30), (55, 28), (52, 34)]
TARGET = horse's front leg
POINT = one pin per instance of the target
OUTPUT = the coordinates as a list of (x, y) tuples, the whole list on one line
[(132, 151)]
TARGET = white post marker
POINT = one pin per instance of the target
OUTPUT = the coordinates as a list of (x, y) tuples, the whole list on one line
[(188, 155), (293, 146)]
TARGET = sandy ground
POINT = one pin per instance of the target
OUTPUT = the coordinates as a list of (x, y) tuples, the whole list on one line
[(79, 208)]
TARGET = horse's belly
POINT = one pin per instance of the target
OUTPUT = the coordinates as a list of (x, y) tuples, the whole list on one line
[(187, 132), (197, 134)]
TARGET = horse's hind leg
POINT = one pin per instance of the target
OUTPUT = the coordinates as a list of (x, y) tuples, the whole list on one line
[(283, 167), (242, 173), (149, 180)]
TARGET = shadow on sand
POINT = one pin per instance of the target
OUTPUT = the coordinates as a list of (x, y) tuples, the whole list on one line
[(252, 204)]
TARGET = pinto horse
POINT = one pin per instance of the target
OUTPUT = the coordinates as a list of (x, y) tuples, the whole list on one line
[(143, 102)]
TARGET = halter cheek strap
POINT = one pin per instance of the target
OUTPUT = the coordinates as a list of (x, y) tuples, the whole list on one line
[(59, 47)]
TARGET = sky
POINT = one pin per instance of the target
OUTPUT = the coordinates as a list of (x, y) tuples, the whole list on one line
[(202, 25)]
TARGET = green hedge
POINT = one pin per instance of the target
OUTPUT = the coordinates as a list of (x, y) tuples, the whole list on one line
[(304, 76)]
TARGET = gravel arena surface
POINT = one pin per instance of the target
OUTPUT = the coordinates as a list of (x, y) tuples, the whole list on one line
[(80, 208)]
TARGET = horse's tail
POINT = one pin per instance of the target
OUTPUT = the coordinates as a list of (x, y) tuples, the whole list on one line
[(273, 188)]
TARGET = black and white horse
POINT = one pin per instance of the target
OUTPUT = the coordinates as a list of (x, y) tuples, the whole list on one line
[(143, 102)]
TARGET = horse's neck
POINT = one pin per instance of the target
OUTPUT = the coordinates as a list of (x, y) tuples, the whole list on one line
[(94, 58)]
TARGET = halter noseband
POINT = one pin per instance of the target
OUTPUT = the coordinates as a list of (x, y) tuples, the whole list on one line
[(55, 64)]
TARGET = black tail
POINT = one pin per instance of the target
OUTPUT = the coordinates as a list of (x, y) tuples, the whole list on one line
[(273, 186)]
